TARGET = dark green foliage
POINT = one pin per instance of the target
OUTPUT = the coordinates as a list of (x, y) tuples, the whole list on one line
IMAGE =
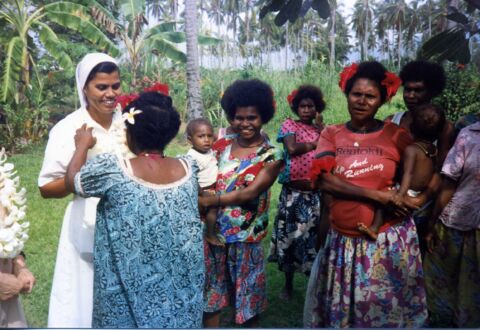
[(453, 44), (291, 10), (462, 93)]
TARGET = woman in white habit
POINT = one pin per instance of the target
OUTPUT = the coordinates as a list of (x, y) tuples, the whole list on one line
[(98, 85)]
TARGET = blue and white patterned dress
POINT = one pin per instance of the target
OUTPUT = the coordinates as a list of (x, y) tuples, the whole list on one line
[(148, 253)]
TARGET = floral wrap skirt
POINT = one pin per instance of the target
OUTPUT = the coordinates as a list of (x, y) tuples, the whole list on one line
[(295, 230), (235, 274), (356, 282)]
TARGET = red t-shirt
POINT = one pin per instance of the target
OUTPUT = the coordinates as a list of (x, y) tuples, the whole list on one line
[(368, 160)]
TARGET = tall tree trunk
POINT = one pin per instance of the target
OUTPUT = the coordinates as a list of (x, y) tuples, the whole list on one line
[(194, 93), (331, 35), (367, 32), (286, 46), (400, 28)]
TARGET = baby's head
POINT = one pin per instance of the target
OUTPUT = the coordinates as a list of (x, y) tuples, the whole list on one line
[(200, 134), (428, 122), (154, 126)]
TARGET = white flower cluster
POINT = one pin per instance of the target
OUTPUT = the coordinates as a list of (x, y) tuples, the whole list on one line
[(119, 131), (13, 226)]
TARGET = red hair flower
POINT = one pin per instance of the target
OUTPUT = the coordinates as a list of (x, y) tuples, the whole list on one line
[(347, 73), (158, 87), (391, 83), (125, 99), (292, 96), (321, 165)]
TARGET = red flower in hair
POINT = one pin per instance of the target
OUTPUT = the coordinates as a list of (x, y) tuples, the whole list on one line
[(292, 96), (158, 87), (346, 74), (392, 83), (460, 66), (321, 165), (125, 99)]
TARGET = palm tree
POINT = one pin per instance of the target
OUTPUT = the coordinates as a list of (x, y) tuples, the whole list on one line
[(361, 21), (24, 20), (398, 14), (331, 35), (194, 102), (138, 41)]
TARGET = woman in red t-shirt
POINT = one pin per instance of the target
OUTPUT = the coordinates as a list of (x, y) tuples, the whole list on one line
[(357, 282)]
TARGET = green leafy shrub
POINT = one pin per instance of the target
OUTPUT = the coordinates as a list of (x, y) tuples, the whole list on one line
[(462, 93)]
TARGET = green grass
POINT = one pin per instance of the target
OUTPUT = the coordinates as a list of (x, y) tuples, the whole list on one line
[(46, 215)]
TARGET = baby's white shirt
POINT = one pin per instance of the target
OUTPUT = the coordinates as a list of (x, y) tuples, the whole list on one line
[(208, 168)]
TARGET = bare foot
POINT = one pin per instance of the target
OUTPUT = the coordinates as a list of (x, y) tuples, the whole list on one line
[(213, 239), (369, 231)]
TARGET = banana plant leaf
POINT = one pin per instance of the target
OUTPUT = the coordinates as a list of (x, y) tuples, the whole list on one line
[(291, 10), (449, 45)]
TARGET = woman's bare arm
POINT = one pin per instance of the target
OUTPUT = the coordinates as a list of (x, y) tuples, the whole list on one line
[(84, 140), (295, 148), (265, 178), (447, 189), (445, 142), (54, 189)]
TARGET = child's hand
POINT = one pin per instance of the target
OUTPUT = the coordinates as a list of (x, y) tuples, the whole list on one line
[(84, 137)]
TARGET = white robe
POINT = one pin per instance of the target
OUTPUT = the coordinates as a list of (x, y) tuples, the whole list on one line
[(71, 297)]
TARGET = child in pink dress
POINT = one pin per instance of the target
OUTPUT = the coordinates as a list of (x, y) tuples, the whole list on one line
[(295, 230)]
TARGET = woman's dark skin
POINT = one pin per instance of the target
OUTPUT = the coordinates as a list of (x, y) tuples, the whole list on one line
[(103, 86), (248, 124), (363, 103), (416, 93)]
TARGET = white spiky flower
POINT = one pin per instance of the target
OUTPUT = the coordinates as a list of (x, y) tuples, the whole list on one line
[(13, 226)]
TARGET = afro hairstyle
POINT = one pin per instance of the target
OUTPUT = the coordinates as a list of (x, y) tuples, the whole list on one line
[(309, 92), (432, 75), (246, 93)]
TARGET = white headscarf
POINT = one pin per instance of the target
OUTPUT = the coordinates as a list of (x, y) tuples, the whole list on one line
[(84, 68)]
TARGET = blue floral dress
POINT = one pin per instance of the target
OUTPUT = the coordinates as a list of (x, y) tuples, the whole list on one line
[(148, 253)]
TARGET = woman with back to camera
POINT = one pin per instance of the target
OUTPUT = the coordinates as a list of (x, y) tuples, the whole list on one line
[(357, 282), (148, 256), (98, 85)]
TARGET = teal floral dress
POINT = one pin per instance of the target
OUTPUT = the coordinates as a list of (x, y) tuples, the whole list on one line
[(148, 253)]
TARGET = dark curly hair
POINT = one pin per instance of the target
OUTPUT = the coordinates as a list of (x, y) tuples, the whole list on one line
[(373, 71), (428, 122), (309, 92), (246, 93), (194, 123), (102, 67), (156, 125), (432, 75)]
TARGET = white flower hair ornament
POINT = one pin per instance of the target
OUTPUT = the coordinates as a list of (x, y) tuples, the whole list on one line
[(13, 226), (130, 115)]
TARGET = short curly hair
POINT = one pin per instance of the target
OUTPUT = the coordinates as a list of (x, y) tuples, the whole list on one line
[(308, 92), (194, 123), (432, 75), (156, 125), (373, 71), (246, 93)]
